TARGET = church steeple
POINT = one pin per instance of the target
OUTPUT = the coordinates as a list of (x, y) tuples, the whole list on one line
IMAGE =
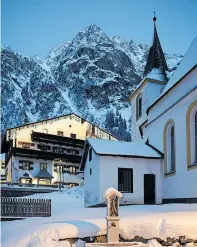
[(156, 59)]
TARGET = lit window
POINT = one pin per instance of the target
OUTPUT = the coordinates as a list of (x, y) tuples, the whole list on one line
[(139, 106), (72, 170)]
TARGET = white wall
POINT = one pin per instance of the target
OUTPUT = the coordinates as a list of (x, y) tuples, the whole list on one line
[(150, 92), (184, 183), (109, 177), (91, 182)]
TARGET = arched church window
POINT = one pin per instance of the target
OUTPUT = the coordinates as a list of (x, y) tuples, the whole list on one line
[(169, 147), (191, 126), (139, 106)]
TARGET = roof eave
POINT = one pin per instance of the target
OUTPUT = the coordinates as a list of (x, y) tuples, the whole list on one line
[(162, 96)]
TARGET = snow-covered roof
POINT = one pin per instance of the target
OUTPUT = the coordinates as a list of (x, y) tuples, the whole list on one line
[(186, 64), (136, 149), (111, 191), (120, 148)]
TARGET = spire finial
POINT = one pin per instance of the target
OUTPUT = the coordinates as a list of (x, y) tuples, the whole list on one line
[(154, 18)]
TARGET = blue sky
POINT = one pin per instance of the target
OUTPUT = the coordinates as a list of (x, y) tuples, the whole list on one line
[(33, 27)]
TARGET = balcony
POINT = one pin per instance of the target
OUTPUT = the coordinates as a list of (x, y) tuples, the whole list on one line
[(38, 154), (55, 139)]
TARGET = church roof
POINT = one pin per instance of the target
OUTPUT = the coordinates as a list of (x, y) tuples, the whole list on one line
[(187, 64), (156, 58)]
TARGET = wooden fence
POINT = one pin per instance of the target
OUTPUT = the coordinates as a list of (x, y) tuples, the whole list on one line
[(18, 207)]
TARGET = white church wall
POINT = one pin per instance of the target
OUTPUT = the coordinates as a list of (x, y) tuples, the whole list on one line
[(174, 95), (109, 177), (135, 123), (183, 183), (91, 181), (150, 92)]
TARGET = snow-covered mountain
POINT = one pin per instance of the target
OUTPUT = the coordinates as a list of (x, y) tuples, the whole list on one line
[(91, 76)]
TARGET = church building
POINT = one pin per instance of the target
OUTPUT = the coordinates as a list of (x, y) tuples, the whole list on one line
[(160, 164)]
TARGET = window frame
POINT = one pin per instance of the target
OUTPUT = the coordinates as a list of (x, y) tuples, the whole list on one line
[(74, 136), (43, 166), (60, 133), (90, 154), (191, 130), (169, 146), (129, 184), (139, 106)]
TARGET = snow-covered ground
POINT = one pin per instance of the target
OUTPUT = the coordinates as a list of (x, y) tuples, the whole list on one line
[(70, 219)]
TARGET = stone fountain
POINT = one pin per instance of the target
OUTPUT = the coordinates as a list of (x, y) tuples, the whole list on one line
[(112, 196)]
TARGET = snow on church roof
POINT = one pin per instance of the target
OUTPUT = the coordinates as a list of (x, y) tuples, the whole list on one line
[(120, 148), (187, 63)]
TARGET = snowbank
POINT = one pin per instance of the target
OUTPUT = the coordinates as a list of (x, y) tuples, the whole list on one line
[(70, 219)]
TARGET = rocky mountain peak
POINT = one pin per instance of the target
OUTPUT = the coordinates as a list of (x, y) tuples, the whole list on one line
[(92, 75)]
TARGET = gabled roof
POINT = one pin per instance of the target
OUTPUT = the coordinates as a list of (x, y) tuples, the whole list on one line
[(156, 58), (186, 66), (44, 174), (136, 149)]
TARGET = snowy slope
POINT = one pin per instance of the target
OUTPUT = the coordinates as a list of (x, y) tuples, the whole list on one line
[(70, 220), (90, 75)]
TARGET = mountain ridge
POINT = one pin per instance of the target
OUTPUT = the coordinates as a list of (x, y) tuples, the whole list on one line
[(92, 75)]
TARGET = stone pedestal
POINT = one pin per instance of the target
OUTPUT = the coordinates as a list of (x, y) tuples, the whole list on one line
[(112, 229)]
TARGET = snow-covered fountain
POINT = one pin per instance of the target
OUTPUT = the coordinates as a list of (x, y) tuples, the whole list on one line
[(112, 196)]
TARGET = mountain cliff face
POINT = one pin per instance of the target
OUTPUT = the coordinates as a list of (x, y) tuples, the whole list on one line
[(92, 76)]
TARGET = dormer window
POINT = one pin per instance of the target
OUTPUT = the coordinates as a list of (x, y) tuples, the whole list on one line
[(139, 106)]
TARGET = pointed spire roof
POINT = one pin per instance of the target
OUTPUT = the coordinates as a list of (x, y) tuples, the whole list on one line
[(156, 59)]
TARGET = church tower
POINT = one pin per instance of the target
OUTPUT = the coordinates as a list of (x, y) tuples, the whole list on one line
[(156, 59), (149, 89)]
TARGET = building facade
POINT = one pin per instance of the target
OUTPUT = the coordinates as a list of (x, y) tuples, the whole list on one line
[(49, 151), (164, 118)]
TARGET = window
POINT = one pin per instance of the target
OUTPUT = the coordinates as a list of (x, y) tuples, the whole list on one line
[(169, 147), (76, 151), (195, 137), (72, 170), (26, 145), (59, 169), (191, 126), (93, 129), (45, 131), (60, 133), (73, 136), (44, 147), (139, 106), (90, 171), (26, 165), (90, 154), (125, 180), (43, 166)]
